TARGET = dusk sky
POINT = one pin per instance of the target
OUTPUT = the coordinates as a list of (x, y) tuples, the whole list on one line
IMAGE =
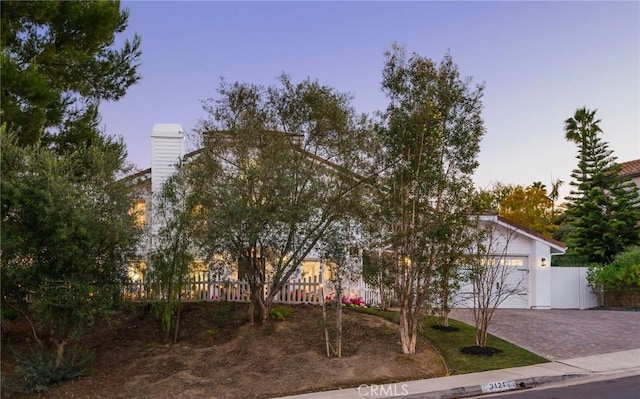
[(540, 61)]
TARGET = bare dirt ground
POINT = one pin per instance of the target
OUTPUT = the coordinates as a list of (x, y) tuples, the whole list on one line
[(219, 355)]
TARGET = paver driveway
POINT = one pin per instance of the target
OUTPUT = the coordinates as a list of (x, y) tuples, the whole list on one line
[(564, 334)]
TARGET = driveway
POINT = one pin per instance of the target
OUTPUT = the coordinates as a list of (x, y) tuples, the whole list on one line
[(564, 334)]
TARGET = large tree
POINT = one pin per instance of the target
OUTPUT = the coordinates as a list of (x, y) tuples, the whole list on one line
[(58, 62), (67, 233), (431, 136), (604, 208), (279, 168)]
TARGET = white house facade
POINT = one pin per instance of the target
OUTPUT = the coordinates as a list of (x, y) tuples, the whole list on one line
[(528, 254)]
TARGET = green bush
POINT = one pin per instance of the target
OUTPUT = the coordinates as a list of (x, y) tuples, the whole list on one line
[(36, 371), (280, 312), (618, 283)]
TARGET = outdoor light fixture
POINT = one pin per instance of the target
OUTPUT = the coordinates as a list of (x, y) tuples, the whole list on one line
[(543, 262)]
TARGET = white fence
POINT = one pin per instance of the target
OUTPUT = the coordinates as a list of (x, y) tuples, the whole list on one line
[(203, 287), (570, 289)]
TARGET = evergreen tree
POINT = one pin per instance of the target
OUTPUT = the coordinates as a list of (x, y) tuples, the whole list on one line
[(604, 208), (58, 62)]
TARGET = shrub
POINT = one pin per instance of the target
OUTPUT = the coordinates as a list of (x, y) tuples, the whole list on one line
[(280, 312), (36, 370), (618, 283)]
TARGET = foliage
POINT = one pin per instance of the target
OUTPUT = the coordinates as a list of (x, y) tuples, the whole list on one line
[(618, 281), (58, 62), (67, 234), (378, 271), (36, 371), (172, 256), (280, 312), (430, 134), (604, 208), (268, 179), (530, 206)]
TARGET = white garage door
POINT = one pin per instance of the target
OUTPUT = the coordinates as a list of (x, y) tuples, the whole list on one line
[(516, 282), (512, 276)]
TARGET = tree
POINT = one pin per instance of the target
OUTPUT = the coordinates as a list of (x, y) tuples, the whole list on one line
[(490, 274), (431, 134), (58, 62), (554, 194), (580, 129), (67, 234), (341, 254), (279, 168), (172, 256), (604, 208), (529, 206)]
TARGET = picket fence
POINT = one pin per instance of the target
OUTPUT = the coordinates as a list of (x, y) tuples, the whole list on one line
[(204, 287)]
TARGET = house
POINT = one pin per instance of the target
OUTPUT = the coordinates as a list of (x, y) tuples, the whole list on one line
[(631, 169), (528, 254)]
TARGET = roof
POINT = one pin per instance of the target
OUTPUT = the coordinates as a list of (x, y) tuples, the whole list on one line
[(630, 168), (556, 246)]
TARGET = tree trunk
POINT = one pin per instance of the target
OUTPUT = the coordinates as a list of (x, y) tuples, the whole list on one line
[(324, 319), (444, 317), (339, 322), (258, 311), (176, 328), (481, 331), (408, 331)]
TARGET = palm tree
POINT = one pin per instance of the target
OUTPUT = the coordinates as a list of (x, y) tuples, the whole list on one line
[(554, 194), (580, 129)]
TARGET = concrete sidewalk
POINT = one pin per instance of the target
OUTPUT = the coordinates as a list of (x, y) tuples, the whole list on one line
[(465, 385)]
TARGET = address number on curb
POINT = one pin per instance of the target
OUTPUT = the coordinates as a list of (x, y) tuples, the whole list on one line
[(498, 386)]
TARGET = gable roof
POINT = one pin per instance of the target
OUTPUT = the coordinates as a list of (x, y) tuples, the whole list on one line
[(557, 247), (630, 168)]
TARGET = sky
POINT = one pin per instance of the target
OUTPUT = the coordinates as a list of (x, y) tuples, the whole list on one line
[(540, 61)]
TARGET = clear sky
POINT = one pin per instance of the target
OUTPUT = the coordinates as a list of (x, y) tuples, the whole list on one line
[(540, 61)]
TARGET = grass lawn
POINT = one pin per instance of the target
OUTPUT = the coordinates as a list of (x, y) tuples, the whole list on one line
[(450, 343)]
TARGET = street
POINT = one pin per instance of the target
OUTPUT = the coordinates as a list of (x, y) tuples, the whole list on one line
[(617, 388)]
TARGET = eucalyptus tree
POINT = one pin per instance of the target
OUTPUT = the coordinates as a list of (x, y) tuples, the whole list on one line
[(431, 136), (280, 166)]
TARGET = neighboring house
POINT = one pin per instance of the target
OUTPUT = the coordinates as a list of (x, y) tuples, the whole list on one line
[(528, 253), (631, 169)]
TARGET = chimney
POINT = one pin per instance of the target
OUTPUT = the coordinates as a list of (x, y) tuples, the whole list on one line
[(167, 149)]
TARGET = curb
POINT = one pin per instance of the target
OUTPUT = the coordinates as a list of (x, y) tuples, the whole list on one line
[(476, 390)]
